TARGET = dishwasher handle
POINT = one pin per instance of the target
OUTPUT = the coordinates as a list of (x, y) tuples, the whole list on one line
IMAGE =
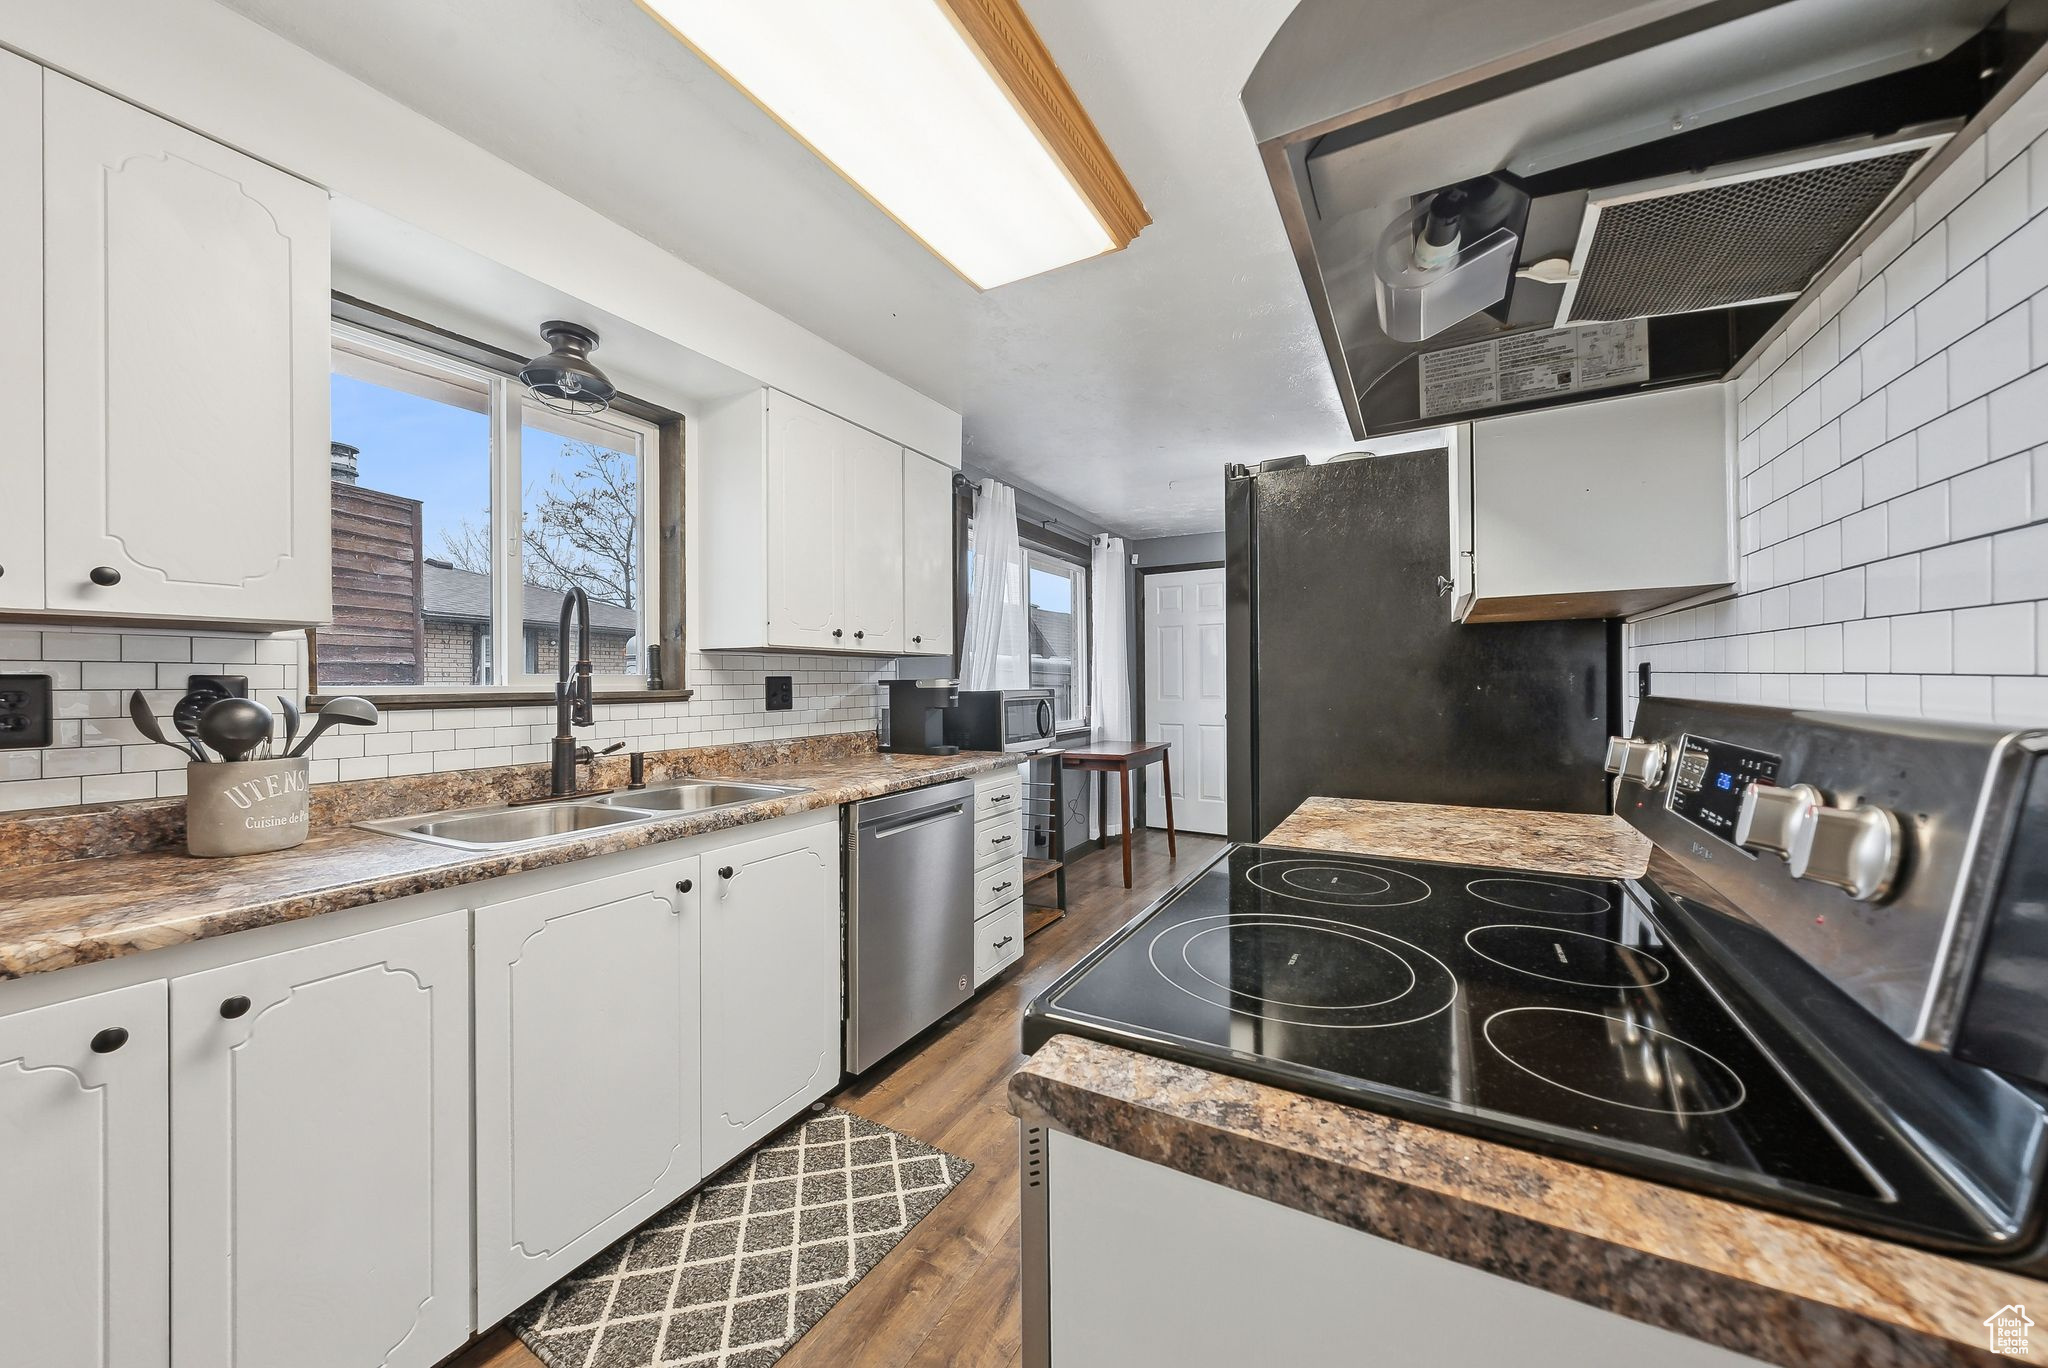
[(913, 822)]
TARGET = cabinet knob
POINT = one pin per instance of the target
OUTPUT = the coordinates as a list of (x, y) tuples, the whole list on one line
[(838, 632), (234, 1007), (685, 885), (860, 636), (725, 871), (917, 641), (109, 1040), (104, 575)]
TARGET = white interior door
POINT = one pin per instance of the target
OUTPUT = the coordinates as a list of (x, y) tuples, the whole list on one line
[(1184, 693)]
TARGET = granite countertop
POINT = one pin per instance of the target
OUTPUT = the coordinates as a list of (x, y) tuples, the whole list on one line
[(59, 913), (1594, 847), (1774, 1287)]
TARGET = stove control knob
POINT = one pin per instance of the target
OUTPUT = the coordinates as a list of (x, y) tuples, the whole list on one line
[(1855, 849), (1642, 761), (1774, 819)]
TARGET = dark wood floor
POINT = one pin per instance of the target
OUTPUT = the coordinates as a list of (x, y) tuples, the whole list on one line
[(948, 1294)]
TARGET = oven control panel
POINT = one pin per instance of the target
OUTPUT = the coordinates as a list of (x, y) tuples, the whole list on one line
[(1708, 778)]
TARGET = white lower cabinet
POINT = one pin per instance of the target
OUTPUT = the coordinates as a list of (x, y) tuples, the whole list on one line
[(85, 1182), (586, 1072), (320, 1203), (771, 1011)]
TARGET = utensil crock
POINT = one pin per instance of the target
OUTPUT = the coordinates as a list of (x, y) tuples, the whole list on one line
[(242, 807)]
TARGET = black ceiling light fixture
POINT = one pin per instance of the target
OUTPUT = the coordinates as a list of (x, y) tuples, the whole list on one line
[(564, 379)]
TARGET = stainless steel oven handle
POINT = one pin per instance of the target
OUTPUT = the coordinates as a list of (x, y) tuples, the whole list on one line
[(922, 819)]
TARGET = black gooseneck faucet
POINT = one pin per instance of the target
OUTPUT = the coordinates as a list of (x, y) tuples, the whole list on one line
[(572, 699)]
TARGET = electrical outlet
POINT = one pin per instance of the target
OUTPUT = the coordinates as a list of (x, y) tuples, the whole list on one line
[(227, 686), (781, 693), (24, 711)]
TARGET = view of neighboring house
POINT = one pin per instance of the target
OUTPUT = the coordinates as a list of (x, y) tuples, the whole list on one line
[(1052, 656), (402, 617)]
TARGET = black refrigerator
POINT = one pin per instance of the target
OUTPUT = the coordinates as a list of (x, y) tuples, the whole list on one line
[(1348, 677)]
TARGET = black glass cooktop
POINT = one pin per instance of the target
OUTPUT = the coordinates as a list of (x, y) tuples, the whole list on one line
[(1545, 1008)]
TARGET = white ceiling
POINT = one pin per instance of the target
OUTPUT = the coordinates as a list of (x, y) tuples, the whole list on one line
[(1120, 386)]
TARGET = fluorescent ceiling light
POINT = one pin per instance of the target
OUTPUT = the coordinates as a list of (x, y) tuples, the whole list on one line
[(935, 127)]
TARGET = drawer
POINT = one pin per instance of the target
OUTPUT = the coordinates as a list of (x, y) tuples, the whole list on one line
[(997, 839), (997, 884), (999, 796), (998, 941)]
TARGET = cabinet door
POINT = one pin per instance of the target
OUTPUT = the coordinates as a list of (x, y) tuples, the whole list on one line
[(85, 1183), (21, 340), (587, 1115), (771, 984), (927, 556), (873, 511), (186, 372), (805, 540), (320, 1212)]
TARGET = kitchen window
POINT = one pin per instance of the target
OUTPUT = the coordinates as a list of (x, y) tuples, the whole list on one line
[(1057, 592), (462, 510)]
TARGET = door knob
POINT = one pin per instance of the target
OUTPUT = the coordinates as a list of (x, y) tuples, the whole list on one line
[(234, 1007), (104, 575), (110, 1040)]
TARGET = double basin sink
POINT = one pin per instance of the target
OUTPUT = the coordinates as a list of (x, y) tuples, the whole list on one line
[(508, 827)]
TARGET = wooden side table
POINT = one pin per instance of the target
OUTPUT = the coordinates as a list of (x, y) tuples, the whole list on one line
[(1103, 758)]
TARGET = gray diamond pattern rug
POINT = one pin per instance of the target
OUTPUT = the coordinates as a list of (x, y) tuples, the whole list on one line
[(731, 1275)]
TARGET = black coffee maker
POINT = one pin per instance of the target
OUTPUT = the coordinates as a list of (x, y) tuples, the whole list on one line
[(917, 716)]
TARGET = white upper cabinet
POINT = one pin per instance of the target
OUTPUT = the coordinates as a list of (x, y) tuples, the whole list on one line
[(927, 556), (1595, 510), (806, 470), (21, 338), (85, 1182), (587, 1072), (771, 983), (873, 529), (185, 371), (320, 1178), (805, 539)]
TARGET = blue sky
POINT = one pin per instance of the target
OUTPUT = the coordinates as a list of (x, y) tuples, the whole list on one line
[(1054, 593), (430, 451)]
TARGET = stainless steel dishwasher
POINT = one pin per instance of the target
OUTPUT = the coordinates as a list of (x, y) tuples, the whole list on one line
[(909, 915)]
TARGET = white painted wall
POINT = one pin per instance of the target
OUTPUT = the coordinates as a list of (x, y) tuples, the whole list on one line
[(1894, 472), (202, 65)]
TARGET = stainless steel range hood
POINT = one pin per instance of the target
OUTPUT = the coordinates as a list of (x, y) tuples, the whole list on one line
[(1362, 111)]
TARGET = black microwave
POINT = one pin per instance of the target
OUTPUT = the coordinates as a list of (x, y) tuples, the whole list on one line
[(1001, 720)]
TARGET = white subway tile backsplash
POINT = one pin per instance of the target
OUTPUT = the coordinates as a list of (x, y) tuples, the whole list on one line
[(2019, 564), (1919, 396), (1995, 640), (1993, 355), (1956, 575), (1951, 312), (1888, 355), (2018, 266), (1997, 496), (1956, 441), (1960, 698), (1865, 536), (1867, 646), (1923, 643), (1892, 469), (1862, 316), (1919, 519), (1863, 425), (1988, 217)]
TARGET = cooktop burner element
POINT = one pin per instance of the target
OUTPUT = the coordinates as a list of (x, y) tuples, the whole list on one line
[(1580, 957), (1402, 987), (1338, 882), (1542, 895), (1613, 1059), (1304, 971)]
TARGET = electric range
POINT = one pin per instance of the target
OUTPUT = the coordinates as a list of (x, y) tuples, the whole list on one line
[(1656, 1026)]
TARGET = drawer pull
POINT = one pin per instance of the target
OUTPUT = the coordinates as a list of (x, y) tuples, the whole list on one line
[(109, 1040), (1000, 887), (233, 1007), (1002, 840), (1003, 942)]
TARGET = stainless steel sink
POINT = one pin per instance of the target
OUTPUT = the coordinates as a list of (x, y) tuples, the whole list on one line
[(499, 828), (693, 796)]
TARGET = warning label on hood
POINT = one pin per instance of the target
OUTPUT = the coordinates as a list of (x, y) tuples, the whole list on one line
[(1522, 366)]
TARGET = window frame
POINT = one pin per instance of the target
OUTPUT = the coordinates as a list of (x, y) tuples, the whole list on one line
[(658, 435), (1081, 574)]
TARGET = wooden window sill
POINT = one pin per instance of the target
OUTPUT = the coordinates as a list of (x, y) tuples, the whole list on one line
[(498, 698)]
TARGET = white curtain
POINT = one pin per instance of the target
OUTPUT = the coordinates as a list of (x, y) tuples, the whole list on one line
[(997, 651), (1110, 646)]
